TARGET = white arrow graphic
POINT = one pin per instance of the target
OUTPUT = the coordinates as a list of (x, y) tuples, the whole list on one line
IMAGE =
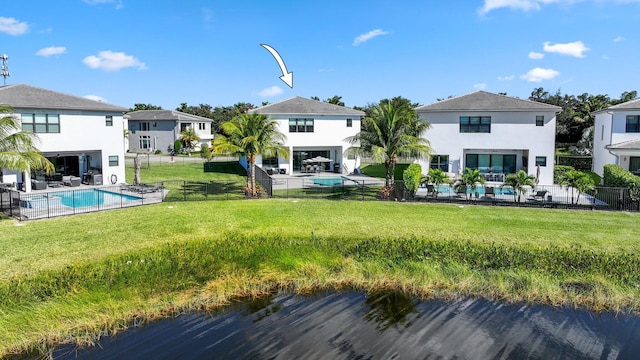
[(287, 76)]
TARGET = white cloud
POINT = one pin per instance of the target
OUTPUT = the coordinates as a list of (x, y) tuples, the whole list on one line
[(95, 98), (51, 50), (539, 74), (619, 39), (535, 55), (480, 86), (528, 5), (506, 78), (12, 26), (368, 36), (576, 48), (270, 92), (111, 61)]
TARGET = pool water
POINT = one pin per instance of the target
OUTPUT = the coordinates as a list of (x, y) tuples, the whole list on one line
[(446, 189), (332, 181), (92, 197)]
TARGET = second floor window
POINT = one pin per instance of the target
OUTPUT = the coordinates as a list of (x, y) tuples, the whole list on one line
[(108, 120), (475, 124), (301, 125), (202, 126), (41, 123), (633, 124), (349, 122), (539, 120)]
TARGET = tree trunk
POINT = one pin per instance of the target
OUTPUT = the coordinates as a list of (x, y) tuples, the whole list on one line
[(252, 166), (136, 170)]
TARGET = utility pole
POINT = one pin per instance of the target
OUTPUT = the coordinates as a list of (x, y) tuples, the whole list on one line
[(4, 71)]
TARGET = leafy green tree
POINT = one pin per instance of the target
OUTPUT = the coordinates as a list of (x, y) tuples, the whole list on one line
[(139, 106), (577, 181), (519, 182), (470, 178), (251, 135), (17, 147), (411, 177), (335, 100), (388, 132), (177, 146), (205, 152)]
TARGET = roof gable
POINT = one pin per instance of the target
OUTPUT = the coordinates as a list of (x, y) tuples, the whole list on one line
[(300, 106), (31, 97), (486, 101), (169, 115), (626, 145), (629, 105)]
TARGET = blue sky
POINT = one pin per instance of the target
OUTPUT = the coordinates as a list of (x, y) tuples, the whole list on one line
[(167, 52)]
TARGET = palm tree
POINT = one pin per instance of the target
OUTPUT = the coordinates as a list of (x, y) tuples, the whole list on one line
[(388, 133), (518, 182), (579, 181), (470, 178), (17, 149), (436, 177), (189, 138), (251, 135)]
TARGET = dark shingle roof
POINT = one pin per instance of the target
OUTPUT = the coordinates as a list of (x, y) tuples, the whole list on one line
[(300, 106), (159, 115), (31, 97), (486, 101), (625, 145)]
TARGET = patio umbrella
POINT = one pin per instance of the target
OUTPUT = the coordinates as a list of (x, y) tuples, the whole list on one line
[(321, 159), (537, 174)]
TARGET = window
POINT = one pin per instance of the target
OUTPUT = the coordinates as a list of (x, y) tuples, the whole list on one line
[(144, 126), (202, 126), (184, 127), (145, 142), (301, 125), (539, 120), (271, 162), (41, 123), (633, 124), (634, 164), (541, 161), (349, 122), (475, 124), (439, 162), (113, 160), (108, 120), (491, 163)]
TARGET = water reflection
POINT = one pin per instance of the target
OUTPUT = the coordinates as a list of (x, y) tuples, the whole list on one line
[(379, 326)]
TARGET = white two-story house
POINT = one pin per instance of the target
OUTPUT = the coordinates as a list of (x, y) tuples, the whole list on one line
[(616, 137), (313, 128), (151, 130), (76, 134), (495, 134)]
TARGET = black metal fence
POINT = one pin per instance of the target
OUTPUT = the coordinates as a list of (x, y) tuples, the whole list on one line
[(63, 202)]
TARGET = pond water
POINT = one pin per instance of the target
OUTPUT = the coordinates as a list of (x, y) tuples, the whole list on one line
[(383, 325)]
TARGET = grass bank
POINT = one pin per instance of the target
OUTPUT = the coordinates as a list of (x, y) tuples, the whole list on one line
[(68, 279)]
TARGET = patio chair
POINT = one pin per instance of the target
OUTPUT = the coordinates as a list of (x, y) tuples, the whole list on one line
[(538, 195), (490, 191), (38, 185)]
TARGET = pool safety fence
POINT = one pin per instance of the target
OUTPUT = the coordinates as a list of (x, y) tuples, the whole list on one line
[(61, 202)]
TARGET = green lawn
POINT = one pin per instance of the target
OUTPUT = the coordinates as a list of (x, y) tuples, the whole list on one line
[(87, 273), (224, 172)]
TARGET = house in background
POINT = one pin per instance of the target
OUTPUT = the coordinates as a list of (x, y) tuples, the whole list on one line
[(313, 128), (76, 134), (616, 137), (151, 130), (495, 134)]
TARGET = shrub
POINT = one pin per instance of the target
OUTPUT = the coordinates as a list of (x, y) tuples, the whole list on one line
[(617, 176), (177, 146), (157, 151), (559, 172), (411, 177)]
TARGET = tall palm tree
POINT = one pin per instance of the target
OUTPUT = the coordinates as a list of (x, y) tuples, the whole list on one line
[(251, 135), (390, 132), (17, 147), (518, 182)]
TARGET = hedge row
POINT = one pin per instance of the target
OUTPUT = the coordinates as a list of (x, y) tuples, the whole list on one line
[(617, 176)]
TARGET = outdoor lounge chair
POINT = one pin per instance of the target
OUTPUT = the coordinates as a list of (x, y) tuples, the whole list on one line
[(71, 180), (38, 185), (490, 191), (538, 195)]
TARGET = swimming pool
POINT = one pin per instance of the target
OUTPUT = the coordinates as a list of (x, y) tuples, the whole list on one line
[(92, 197), (332, 180), (447, 189)]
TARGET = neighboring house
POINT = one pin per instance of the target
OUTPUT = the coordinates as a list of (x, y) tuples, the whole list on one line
[(151, 130), (76, 134), (495, 134), (616, 137), (313, 128)]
